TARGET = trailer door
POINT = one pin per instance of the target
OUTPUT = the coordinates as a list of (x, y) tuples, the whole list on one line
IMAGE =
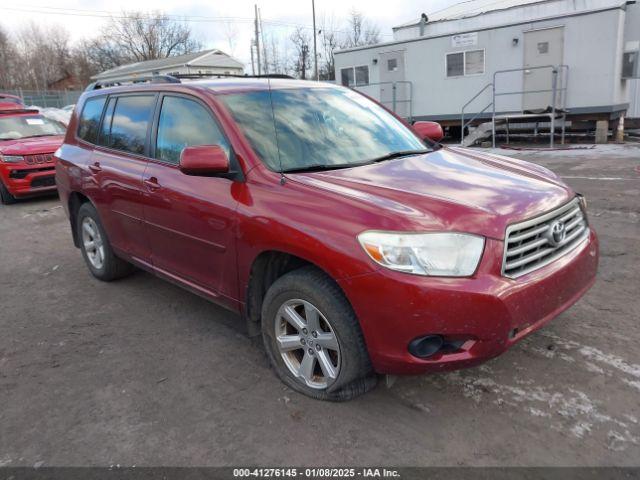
[(392, 72), (541, 47)]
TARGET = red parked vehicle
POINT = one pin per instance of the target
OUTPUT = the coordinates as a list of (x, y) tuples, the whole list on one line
[(10, 102), (27, 143), (352, 243)]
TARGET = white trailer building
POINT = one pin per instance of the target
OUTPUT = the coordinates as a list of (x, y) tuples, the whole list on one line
[(505, 59)]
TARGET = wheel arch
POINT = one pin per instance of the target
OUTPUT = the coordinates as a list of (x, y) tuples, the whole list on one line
[(267, 267), (76, 200)]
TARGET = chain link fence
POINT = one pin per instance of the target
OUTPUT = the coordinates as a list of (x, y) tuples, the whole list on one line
[(47, 98)]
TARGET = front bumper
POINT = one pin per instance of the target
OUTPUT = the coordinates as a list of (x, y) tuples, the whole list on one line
[(23, 180), (488, 312)]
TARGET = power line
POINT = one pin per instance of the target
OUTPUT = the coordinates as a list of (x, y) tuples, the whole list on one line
[(76, 12)]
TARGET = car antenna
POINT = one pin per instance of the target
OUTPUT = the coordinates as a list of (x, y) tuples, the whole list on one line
[(283, 179)]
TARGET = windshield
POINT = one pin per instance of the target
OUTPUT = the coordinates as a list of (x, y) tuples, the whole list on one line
[(23, 126), (330, 127)]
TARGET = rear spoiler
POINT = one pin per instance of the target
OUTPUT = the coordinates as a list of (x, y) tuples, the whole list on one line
[(13, 111)]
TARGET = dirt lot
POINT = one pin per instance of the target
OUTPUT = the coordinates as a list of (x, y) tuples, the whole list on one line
[(140, 372)]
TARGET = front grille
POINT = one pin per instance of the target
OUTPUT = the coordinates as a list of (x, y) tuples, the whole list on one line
[(48, 181), (40, 158), (532, 244)]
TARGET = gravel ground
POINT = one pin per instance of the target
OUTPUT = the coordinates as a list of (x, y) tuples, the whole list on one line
[(140, 372)]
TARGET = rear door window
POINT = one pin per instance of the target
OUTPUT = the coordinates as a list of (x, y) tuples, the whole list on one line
[(130, 123), (90, 119), (185, 123)]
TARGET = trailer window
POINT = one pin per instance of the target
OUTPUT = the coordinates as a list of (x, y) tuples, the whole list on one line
[(347, 76), (455, 64), (470, 62), (355, 76), (362, 75), (474, 62)]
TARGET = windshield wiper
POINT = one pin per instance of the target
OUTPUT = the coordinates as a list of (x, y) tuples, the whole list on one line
[(392, 155), (43, 135), (388, 156), (321, 167)]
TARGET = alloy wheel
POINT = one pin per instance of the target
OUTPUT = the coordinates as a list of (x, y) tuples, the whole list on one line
[(92, 242), (307, 343)]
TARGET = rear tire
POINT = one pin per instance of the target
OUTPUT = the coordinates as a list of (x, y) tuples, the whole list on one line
[(313, 339), (96, 249), (5, 197)]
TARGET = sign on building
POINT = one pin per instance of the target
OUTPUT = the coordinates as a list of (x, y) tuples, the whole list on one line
[(464, 39)]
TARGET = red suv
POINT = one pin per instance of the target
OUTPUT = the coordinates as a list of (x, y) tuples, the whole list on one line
[(353, 244), (27, 143)]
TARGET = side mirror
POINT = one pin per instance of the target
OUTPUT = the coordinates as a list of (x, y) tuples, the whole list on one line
[(431, 130), (204, 160)]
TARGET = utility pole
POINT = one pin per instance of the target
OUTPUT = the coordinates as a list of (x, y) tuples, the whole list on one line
[(253, 63), (265, 62), (315, 35), (257, 40), (303, 67)]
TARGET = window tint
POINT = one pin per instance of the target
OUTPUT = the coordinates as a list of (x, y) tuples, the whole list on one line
[(90, 119), (131, 118), (185, 123)]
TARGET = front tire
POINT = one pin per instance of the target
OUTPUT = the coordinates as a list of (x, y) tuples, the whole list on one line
[(313, 339), (5, 197), (96, 249)]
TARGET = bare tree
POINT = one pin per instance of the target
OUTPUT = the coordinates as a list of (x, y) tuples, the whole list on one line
[(360, 31), (8, 56), (138, 36), (42, 55), (231, 35), (328, 41), (302, 61)]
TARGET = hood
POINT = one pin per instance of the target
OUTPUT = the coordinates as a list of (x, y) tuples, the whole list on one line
[(31, 146), (453, 189)]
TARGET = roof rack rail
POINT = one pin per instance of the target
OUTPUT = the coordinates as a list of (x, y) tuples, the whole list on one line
[(192, 76), (124, 81), (176, 78)]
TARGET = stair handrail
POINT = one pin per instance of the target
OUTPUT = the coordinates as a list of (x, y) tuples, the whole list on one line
[(555, 71), (462, 122)]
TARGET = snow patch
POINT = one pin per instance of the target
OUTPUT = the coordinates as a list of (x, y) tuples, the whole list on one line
[(580, 413), (631, 150), (632, 383), (56, 114)]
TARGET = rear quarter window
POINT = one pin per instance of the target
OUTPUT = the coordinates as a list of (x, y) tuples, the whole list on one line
[(90, 119)]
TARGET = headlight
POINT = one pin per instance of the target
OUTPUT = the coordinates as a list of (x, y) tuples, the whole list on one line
[(436, 254), (11, 158), (583, 202)]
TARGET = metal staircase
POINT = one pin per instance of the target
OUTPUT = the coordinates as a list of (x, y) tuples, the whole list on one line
[(494, 120)]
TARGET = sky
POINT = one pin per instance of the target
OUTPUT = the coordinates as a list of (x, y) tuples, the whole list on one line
[(215, 22)]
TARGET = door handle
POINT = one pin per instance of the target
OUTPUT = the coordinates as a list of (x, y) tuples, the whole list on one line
[(95, 167), (151, 184)]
